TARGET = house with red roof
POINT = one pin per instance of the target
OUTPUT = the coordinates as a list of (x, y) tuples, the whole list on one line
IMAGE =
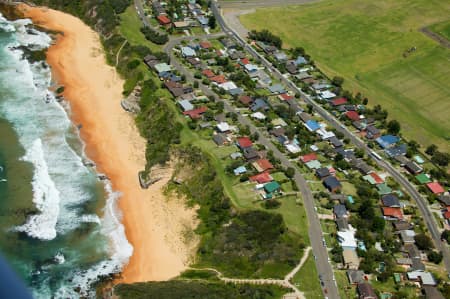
[(376, 178), (435, 187), (338, 102), (164, 20), (446, 215), (285, 97), (261, 178), (391, 213), (219, 79), (244, 142), (262, 165), (205, 44), (353, 115), (246, 100), (308, 157), (208, 73), (196, 113), (244, 61)]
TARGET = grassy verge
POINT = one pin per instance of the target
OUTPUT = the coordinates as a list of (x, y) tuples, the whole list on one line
[(307, 279)]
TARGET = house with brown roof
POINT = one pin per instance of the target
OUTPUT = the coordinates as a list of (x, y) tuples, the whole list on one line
[(262, 165), (366, 291)]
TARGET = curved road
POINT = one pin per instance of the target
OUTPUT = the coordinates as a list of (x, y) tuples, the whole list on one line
[(408, 186)]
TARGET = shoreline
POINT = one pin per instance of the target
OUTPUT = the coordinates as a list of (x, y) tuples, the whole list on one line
[(153, 224)]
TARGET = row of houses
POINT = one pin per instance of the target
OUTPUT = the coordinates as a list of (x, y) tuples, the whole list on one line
[(189, 15)]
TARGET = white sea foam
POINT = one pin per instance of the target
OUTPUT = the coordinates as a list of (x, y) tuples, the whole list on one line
[(59, 258), (61, 183), (45, 197)]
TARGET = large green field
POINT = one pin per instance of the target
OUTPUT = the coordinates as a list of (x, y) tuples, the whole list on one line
[(364, 42)]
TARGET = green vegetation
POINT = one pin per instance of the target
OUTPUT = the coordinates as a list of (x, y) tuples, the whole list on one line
[(443, 29), (307, 280), (364, 42), (196, 289), (154, 36), (157, 123)]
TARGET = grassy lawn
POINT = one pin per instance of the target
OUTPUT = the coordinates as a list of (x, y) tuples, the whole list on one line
[(442, 29), (364, 42), (130, 25), (348, 188), (344, 287), (307, 279)]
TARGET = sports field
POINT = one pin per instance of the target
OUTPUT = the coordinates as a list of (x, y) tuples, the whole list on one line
[(364, 41)]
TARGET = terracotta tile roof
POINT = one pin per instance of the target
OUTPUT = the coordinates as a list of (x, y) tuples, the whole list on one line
[(308, 157), (208, 73), (353, 115), (435, 187), (218, 79), (163, 20), (244, 142), (261, 178), (392, 212), (196, 113)]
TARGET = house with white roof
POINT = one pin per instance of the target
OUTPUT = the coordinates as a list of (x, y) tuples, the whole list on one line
[(347, 238)]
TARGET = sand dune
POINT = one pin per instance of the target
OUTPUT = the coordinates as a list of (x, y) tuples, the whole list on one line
[(154, 225)]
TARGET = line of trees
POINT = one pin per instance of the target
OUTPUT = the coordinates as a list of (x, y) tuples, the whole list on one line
[(154, 37), (267, 37)]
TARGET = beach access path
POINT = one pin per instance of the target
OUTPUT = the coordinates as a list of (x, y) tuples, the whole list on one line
[(286, 282)]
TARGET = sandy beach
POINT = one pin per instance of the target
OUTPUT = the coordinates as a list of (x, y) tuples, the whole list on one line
[(154, 225)]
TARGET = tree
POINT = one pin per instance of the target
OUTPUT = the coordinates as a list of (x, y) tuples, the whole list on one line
[(431, 149), (393, 127), (441, 159), (338, 81), (212, 22), (365, 101), (446, 236), (435, 257), (378, 224), (290, 172), (423, 242), (195, 84)]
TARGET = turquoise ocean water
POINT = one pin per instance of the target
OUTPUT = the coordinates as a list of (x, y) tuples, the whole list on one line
[(59, 227)]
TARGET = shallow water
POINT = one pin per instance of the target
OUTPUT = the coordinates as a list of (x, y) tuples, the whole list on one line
[(59, 225)]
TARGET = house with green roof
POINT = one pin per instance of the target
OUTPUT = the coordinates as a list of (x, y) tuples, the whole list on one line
[(423, 178), (314, 164), (383, 189), (271, 188)]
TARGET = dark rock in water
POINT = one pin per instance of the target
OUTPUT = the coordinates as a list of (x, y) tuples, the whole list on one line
[(10, 12), (79, 126), (33, 55)]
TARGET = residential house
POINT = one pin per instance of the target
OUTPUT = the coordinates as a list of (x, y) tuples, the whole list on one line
[(352, 115), (245, 100), (308, 157), (340, 211), (407, 236), (261, 178), (259, 104), (240, 170), (361, 166), (322, 172), (272, 187), (185, 105), (392, 213), (366, 291), (401, 159), (262, 165), (355, 276), (196, 113), (390, 200), (244, 142), (338, 102), (413, 167), (223, 127), (347, 238), (300, 60), (425, 278), (342, 224), (177, 89), (435, 187), (332, 184), (387, 141), (423, 178), (188, 52), (351, 260), (335, 142), (401, 225), (164, 21), (398, 150), (220, 139), (372, 132), (250, 154), (236, 155), (276, 89), (280, 56), (312, 125)]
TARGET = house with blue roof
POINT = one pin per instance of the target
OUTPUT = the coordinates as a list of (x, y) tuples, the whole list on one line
[(188, 52), (395, 151), (276, 88), (387, 141), (312, 125), (259, 104), (300, 60)]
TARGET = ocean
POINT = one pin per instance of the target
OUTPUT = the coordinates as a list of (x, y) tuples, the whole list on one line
[(60, 228)]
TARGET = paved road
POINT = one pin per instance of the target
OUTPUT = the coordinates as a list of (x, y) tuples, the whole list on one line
[(410, 188), (315, 229)]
